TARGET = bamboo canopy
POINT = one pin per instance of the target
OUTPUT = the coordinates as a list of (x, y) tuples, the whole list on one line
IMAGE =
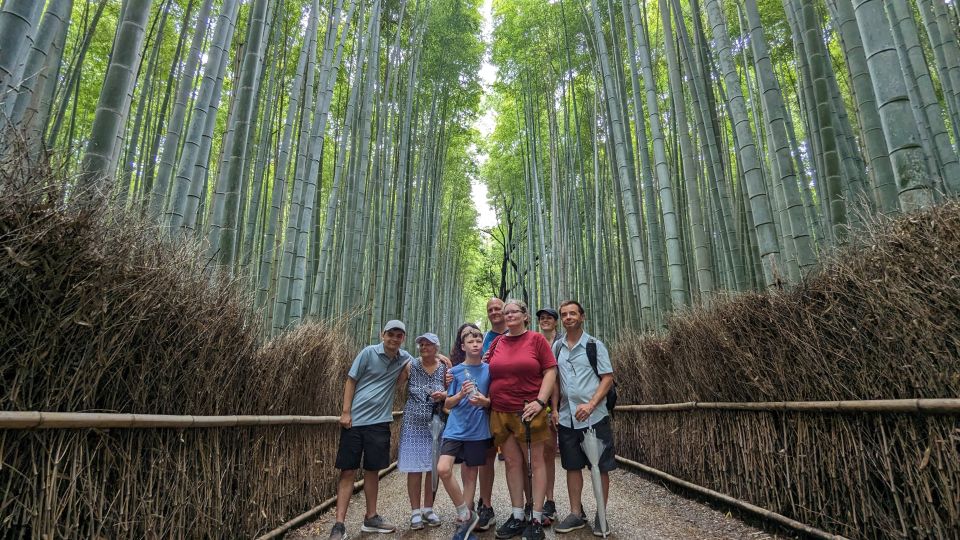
[(67, 420)]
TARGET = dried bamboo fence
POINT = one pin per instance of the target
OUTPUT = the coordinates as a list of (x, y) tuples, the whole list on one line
[(98, 315), (872, 339)]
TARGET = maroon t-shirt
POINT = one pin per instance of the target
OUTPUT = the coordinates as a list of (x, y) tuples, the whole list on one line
[(517, 364)]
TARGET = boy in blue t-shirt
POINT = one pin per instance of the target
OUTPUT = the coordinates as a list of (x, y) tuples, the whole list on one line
[(467, 435)]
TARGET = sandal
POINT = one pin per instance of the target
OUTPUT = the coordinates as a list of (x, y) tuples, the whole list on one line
[(432, 518)]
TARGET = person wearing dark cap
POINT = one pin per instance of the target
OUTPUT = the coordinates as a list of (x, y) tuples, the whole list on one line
[(365, 424), (547, 319)]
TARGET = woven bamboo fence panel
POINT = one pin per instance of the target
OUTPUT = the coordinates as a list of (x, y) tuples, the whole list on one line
[(880, 320), (98, 315)]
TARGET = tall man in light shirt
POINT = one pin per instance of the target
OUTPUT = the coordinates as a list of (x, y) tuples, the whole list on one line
[(582, 405), (368, 393)]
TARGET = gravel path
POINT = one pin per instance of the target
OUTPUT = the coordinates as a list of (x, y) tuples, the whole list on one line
[(639, 509)]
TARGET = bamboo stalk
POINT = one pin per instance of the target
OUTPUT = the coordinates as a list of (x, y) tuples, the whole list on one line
[(322, 507), (920, 406), (64, 420), (737, 503)]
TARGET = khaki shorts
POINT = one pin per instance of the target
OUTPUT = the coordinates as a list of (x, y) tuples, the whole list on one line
[(505, 424)]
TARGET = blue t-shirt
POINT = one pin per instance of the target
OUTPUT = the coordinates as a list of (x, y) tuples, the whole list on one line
[(468, 422), (487, 340)]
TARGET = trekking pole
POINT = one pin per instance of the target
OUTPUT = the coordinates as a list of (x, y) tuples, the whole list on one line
[(528, 437)]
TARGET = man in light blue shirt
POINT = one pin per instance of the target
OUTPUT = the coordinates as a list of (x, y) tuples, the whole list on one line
[(365, 424), (583, 394)]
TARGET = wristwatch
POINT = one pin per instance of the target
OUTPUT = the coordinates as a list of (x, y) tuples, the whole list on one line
[(542, 404)]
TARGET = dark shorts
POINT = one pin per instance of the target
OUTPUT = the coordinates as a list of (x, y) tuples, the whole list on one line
[(572, 457), (473, 453), (371, 442)]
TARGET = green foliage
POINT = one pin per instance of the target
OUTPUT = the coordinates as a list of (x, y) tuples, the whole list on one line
[(452, 53)]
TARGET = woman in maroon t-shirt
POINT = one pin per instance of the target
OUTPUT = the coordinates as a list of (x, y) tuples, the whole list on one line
[(522, 374)]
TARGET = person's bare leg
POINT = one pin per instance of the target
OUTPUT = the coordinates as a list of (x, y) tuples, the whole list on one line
[(445, 470), (513, 459), (469, 476), (487, 471), (550, 460), (539, 476), (575, 491), (428, 490), (605, 481), (413, 489), (371, 486), (463, 482), (344, 492)]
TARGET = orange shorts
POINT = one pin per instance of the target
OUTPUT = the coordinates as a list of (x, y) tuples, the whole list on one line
[(505, 424)]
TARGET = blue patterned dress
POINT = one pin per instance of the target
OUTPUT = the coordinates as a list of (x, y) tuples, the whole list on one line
[(416, 443)]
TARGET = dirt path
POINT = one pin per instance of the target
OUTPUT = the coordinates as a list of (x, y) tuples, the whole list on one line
[(639, 509)]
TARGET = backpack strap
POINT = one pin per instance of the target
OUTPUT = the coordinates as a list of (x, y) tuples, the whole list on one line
[(493, 346), (556, 348), (592, 356)]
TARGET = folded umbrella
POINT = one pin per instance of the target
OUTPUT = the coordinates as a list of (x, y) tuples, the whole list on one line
[(593, 448), (437, 423)]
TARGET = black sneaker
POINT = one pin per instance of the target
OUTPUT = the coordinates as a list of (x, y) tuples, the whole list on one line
[(512, 527), (486, 515), (549, 513), (377, 524), (534, 531), (464, 528), (338, 532), (571, 523)]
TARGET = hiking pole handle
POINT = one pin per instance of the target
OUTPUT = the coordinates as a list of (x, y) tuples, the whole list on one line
[(525, 422)]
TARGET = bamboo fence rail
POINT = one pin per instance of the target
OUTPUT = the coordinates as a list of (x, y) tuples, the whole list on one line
[(918, 406), (66, 420)]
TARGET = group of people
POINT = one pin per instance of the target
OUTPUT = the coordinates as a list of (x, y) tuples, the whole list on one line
[(524, 393)]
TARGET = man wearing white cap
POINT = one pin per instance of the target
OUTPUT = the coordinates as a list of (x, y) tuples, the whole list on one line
[(365, 424)]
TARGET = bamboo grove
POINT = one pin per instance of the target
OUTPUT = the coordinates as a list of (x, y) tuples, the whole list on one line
[(318, 149), (648, 155), (652, 154)]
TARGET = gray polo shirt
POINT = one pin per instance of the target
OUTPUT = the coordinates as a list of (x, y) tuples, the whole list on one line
[(578, 382), (376, 375)]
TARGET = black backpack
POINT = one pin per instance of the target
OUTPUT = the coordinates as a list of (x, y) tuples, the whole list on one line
[(611, 396)]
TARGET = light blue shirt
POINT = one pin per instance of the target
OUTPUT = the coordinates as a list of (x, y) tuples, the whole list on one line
[(376, 375), (578, 382), (467, 422)]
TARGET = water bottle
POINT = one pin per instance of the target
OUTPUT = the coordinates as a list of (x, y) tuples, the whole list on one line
[(473, 380)]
